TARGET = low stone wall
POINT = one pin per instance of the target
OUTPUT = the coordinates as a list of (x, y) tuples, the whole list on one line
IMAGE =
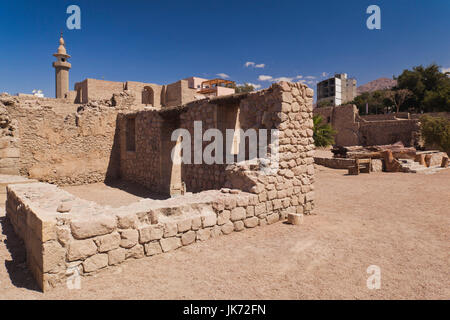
[(345, 163), (67, 237), (335, 163)]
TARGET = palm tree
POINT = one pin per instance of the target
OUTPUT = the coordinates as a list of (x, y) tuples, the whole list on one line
[(323, 132)]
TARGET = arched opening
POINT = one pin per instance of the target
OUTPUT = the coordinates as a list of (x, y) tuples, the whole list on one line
[(148, 96)]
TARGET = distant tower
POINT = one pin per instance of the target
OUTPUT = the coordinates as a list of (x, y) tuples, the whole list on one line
[(61, 70)]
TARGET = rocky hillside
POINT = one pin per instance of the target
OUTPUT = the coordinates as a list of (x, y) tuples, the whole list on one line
[(378, 84)]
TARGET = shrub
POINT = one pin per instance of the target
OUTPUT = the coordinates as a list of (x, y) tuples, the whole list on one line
[(436, 132), (323, 132)]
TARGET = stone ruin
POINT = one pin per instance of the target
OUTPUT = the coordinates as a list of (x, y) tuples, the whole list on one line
[(59, 143)]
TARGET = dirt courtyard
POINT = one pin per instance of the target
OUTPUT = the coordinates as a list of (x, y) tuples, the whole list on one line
[(399, 222)]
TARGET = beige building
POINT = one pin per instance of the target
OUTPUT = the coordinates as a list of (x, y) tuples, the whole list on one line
[(337, 90)]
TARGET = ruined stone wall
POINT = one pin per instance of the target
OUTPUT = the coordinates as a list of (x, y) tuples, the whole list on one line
[(137, 88), (59, 142), (93, 89), (9, 139), (388, 132), (66, 236), (286, 107), (353, 129), (143, 165)]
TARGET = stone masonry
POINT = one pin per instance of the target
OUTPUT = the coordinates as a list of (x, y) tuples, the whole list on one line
[(67, 237)]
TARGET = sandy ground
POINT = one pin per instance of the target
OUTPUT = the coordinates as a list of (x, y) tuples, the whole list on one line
[(399, 222)]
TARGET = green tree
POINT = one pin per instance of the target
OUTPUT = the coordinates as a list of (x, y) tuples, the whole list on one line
[(436, 132), (243, 88), (323, 132), (430, 88), (376, 100), (398, 97)]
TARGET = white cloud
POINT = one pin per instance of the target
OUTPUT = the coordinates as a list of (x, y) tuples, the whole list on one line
[(299, 77), (445, 70), (254, 65), (256, 86), (325, 74), (283, 79), (223, 75), (265, 78), (270, 78), (310, 77)]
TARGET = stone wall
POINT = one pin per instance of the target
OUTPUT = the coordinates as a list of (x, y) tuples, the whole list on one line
[(353, 129), (9, 139), (388, 132), (93, 89), (67, 237), (286, 107), (58, 142)]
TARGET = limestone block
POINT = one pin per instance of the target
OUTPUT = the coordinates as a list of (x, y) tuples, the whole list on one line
[(93, 226), (196, 223), (203, 234), (272, 218), (250, 211), (170, 229), (53, 255), (108, 242), (116, 256), (295, 218), (230, 203), (251, 222), (188, 238), (260, 209), (223, 217), (168, 244), (152, 248), (150, 232), (238, 213), (184, 225), (228, 227), (81, 249), (239, 225), (127, 220), (129, 238), (136, 252), (96, 262), (216, 231), (64, 207), (63, 234), (209, 220)]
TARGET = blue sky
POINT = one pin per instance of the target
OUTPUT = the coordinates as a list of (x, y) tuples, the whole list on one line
[(164, 41)]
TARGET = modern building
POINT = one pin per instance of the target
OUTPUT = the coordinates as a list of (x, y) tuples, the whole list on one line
[(337, 90)]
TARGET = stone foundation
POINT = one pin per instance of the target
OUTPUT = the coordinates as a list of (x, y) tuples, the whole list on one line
[(66, 236), (90, 237)]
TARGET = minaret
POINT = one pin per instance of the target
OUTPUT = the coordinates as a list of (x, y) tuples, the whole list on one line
[(61, 70)]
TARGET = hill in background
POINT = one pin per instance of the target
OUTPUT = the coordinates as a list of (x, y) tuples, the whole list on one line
[(378, 84)]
